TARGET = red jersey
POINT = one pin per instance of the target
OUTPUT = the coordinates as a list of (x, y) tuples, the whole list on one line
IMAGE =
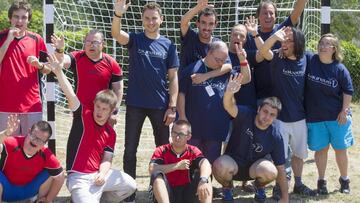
[(20, 169), (88, 142), (164, 155), (92, 77), (19, 81)]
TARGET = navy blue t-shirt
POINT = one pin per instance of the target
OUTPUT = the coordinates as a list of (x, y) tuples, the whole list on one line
[(149, 61), (261, 70), (325, 86), (206, 113), (246, 95), (288, 81), (248, 143), (192, 49)]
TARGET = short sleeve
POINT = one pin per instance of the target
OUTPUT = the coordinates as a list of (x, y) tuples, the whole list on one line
[(173, 59), (157, 156)]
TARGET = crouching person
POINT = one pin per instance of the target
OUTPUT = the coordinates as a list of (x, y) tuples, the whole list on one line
[(180, 172), (255, 137), (29, 170)]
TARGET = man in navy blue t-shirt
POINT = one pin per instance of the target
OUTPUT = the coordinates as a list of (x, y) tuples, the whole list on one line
[(152, 58), (267, 13), (202, 103), (254, 138), (195, 45)]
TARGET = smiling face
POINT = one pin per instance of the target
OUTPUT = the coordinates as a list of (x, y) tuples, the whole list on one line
[(326, 48), (267, 17), (265, 116), (20, 20), (288, 45), (35, 140), (151, 20), (179, 136), (206, 24)]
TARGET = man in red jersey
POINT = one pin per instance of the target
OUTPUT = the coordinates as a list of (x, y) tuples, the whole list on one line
[(29, 170), (93, 69), (20, 70), (172, 168), (90, 147)]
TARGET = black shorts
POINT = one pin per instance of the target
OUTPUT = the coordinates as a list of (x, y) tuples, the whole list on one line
[(179, 194), (243, 173)]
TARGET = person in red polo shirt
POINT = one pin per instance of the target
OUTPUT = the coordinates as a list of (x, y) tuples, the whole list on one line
[(20, 70), (178, 170), (29, 170), (93, 69)]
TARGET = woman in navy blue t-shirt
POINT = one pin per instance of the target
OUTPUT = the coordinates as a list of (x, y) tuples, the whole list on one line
[(328, 94)]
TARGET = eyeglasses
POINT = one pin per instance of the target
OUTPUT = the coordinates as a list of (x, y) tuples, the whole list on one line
[(36, 139), (219, 60), (325, 45), (94, 43), (176, 134)]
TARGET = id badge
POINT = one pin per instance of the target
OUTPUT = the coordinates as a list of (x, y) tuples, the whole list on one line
[(210, 90)]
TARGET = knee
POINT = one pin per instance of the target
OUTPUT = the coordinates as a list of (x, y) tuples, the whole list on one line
[(224, 166), (264, 170)]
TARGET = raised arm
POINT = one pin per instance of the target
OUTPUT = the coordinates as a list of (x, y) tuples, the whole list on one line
[(58, 42), (232, 87), (279, 35), (251, 25), (56, 67), (121, 36), (185, 20), (12, 124), (298, 9), (244, 65)]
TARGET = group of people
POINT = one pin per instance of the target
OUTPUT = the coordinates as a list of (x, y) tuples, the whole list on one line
[(263, 95)]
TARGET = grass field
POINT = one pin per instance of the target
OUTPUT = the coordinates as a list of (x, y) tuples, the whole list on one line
[(309, 175)]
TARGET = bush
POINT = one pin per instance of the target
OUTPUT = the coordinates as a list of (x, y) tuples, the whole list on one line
[(352, 63)]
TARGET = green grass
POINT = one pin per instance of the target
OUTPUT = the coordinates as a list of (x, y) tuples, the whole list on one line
[(309, 174)]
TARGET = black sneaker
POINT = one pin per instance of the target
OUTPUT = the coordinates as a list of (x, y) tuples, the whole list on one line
[(321, 187), (345, 187), (276, 193), (304, 190)]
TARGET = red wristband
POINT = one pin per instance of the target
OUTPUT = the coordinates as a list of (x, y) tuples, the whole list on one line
[(244, 63)]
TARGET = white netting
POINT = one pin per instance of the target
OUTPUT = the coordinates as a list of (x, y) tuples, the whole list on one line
[(75, 18)]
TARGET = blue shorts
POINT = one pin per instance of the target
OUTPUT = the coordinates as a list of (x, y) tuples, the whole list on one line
[(12, 193), (321, 134)]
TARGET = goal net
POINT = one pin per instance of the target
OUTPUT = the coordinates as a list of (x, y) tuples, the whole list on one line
[(74, 18)]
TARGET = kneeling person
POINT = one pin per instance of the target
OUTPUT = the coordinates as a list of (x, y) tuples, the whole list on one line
[(253, 139), (175, 169), (29, 170), (90, 148)]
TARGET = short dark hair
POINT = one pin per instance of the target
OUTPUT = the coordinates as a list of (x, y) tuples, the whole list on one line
[(208, 11), (183, 122), (42, 126), (21, 4), (299, 43), (264, 3), (152, 6)]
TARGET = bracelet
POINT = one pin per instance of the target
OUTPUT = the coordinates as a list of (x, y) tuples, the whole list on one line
[(42, 66), (172, 108), (60, 51), (117, 15), (257, 35), (244, 63)]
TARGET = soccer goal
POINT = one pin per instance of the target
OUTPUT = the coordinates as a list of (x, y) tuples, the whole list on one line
[(74, 18)]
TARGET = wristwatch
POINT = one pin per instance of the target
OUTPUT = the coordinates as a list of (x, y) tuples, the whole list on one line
[(204, 179), (172, 108)]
